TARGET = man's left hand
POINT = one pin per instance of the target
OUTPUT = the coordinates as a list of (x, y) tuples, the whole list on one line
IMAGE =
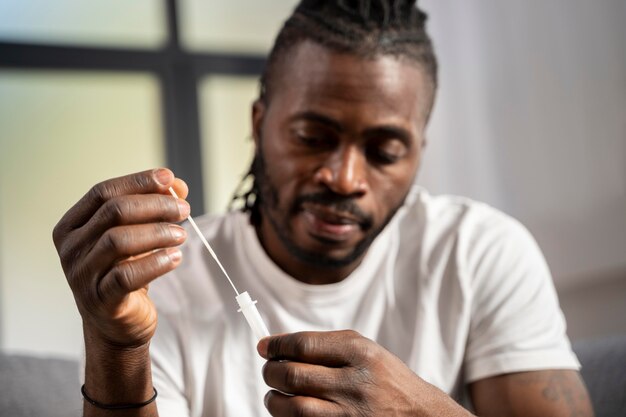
[(345, 374)]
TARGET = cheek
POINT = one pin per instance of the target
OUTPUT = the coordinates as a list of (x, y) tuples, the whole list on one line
[(390, 187), (285, 174), (389, 194)]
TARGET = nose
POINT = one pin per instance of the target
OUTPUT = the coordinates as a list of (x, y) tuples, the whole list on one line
[(344, 172)]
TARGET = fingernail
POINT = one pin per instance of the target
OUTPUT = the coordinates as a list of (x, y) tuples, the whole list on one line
[(174, 254), (177, 232), (163, 176), (262, 346), (266, 399), (183, 208)]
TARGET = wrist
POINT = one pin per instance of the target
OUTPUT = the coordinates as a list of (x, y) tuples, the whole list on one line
[(117, 406), (117, 374), (103, 349)]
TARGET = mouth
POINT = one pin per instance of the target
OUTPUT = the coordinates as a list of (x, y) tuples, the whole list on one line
[(329, 225)]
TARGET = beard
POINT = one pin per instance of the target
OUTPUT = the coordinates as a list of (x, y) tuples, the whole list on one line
[(267, 202)]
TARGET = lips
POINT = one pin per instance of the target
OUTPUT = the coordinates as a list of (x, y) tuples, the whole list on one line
[(327, 224)]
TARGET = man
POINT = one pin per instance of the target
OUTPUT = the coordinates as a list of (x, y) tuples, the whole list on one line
[(383, 300)]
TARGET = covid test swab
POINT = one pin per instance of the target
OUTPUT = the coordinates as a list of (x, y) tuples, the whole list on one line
[(246, 304)]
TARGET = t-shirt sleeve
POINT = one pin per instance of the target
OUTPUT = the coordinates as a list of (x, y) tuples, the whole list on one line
[(516, 323)]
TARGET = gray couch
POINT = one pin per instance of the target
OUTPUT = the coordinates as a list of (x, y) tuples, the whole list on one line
[(39, 387), (604, 372), (44, 387)]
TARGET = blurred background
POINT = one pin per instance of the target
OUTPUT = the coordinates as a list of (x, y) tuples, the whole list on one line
[(530, 118)]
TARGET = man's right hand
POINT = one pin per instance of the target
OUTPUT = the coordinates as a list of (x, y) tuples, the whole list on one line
[(117, 239)]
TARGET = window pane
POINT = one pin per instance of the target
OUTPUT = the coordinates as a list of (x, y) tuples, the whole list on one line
[(232, 26), (60, 133), (227, 145), (137, 23)]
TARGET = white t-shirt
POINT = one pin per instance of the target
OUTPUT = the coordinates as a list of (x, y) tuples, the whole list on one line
[(454, 288)]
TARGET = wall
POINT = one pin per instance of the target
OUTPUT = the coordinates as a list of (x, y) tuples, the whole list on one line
[(531, 118), (595, 309)]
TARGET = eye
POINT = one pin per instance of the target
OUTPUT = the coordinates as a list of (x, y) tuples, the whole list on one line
[(387, 152), (315, 140)]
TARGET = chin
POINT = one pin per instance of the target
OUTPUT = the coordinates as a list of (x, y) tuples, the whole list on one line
[(325, 254)]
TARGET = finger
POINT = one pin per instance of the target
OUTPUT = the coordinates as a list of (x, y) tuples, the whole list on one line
[(122, 210), (297, 378), (180, 187), (133, 209), (338, 348), (122, 242), (281, 405), (131, 275), (151, 181)]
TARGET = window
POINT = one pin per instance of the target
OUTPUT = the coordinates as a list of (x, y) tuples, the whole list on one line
[(60, 133), (227, 145), (91, 90), (136, 24)]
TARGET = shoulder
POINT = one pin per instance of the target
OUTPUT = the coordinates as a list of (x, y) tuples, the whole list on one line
[(461, 219), (474, 243)]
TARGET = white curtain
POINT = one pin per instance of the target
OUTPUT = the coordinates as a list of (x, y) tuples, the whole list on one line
[(531, 118)]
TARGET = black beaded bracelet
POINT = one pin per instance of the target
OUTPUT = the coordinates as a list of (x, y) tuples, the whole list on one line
[(117, 406)]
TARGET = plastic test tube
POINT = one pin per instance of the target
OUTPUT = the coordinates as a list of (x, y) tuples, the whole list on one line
[(250, 312)]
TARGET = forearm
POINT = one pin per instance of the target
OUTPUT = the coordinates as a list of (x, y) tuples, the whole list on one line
[(556, 392), (117, 376)]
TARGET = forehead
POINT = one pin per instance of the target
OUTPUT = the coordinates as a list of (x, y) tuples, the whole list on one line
[(311, 77)]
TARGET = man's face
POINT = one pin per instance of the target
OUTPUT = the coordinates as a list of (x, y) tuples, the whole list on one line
[(338, 146)]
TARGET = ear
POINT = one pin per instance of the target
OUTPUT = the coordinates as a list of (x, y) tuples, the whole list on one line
[(258, 115)]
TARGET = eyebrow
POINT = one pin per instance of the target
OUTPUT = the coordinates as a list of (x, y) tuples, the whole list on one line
[(319, 118)]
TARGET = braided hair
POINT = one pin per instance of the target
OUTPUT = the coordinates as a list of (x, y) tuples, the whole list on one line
[(365, 28)]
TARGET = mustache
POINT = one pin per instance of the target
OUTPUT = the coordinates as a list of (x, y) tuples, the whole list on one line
[(335, 202)]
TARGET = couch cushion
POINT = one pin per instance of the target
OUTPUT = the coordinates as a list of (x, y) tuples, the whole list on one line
[(33, 386), (604, 371)]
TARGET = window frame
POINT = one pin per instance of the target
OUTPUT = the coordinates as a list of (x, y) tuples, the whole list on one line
[(178, 71)]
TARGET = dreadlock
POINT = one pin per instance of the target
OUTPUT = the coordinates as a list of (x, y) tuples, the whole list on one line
[(366, 28)]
